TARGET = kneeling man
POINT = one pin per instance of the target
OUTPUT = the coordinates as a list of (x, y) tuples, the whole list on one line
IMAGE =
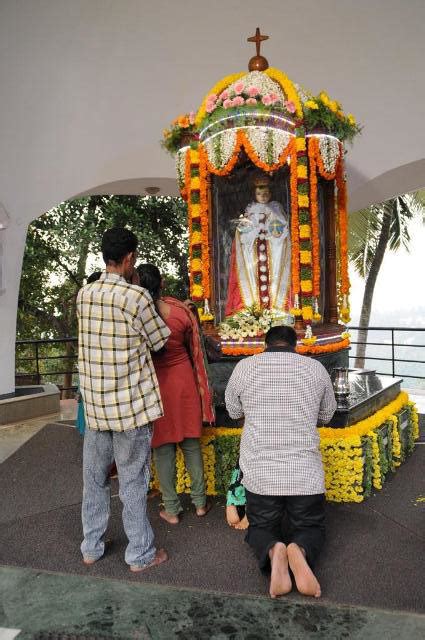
[(282, 396)]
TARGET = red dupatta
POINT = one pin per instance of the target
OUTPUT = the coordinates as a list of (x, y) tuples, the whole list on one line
[(197, 356)]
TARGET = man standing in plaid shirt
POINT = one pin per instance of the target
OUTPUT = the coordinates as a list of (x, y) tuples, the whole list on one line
[(282, 396), (118, 328)]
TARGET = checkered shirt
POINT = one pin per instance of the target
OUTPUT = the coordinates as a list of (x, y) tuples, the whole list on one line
[(118, 327), (283, 396)]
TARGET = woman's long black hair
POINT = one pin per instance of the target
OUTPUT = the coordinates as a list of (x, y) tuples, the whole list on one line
[(150, 279)]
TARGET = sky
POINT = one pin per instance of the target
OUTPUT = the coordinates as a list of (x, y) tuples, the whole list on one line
[(399, 297)]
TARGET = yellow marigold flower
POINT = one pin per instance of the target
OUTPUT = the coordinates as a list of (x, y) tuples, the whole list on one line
[(307, 313), (324, 98), (301, 171), (300, 144), (296, 312), (197, 290), (195, 210), (194, 155), (196, 237), (351, 119), (311, 104), (333, 106), (305, 257), (303, 200), (195, 182), (196, 264), (306, 286), (305, 231)]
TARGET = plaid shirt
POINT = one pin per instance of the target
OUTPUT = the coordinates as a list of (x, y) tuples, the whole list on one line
[(282, 395), (118, 326)]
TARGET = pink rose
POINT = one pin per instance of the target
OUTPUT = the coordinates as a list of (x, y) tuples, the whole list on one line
[(212, 97), (224, 95), (290, 106), (239, 86), (210, 106), (251, 101), (238, 101), (253, 91), (227, 103), (274, 97), (266, 100)]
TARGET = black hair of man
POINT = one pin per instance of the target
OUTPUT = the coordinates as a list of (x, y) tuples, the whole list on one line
[(150, 279), (281, 334), (93, 277), (117, 243)]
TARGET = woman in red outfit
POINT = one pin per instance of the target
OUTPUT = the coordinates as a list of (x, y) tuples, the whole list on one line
[(186, 399)]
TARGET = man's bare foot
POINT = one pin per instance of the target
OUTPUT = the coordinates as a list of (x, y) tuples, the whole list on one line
[(232, 515), (242, 524), (280, 581), (160, 557), (306, 581), (202, 511), (168, 517)]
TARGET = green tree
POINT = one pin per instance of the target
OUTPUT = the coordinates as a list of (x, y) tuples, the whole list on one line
[(372, 232), (63, 246)]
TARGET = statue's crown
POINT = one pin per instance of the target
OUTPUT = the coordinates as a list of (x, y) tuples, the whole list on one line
[(261, 181)]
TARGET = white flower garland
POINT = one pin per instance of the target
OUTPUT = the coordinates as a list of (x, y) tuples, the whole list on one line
[(181, 165), (262, 82), (329, 151), (252, 323), (226, 140)]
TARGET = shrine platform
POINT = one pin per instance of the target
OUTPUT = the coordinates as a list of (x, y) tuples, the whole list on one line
[(371, 570)]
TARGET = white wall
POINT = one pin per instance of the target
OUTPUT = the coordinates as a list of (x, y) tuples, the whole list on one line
[(88, 85)]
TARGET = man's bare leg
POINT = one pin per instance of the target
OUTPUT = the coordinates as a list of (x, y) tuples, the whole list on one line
[(306, 581), (280, 580)]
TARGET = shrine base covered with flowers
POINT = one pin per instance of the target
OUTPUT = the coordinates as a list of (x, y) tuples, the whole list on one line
[(356, 459)]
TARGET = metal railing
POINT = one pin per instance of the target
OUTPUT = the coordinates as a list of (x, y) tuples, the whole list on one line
[(388, 347), (35, 358), (35, 363)]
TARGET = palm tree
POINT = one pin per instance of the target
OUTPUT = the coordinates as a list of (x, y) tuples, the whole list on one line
[(373, 231)]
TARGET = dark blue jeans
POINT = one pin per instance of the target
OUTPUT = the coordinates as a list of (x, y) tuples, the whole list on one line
[(305, 524)]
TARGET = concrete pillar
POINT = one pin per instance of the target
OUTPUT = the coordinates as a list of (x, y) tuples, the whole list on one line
[(12, 246)]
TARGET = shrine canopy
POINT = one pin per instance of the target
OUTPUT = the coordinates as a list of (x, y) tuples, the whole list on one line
[(262, 120)]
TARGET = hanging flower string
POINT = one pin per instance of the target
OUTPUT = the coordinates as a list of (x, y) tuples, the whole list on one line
[(295, 248), (196, 240), (205, 267), (314, 218), (303, 232), (243, 142), (344, 309)]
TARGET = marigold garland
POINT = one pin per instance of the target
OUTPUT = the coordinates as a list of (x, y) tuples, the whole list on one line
[(242, 141), (251, 350), (347, 465), (314, 217), (295, 243), (206, 283), (343, 228)]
